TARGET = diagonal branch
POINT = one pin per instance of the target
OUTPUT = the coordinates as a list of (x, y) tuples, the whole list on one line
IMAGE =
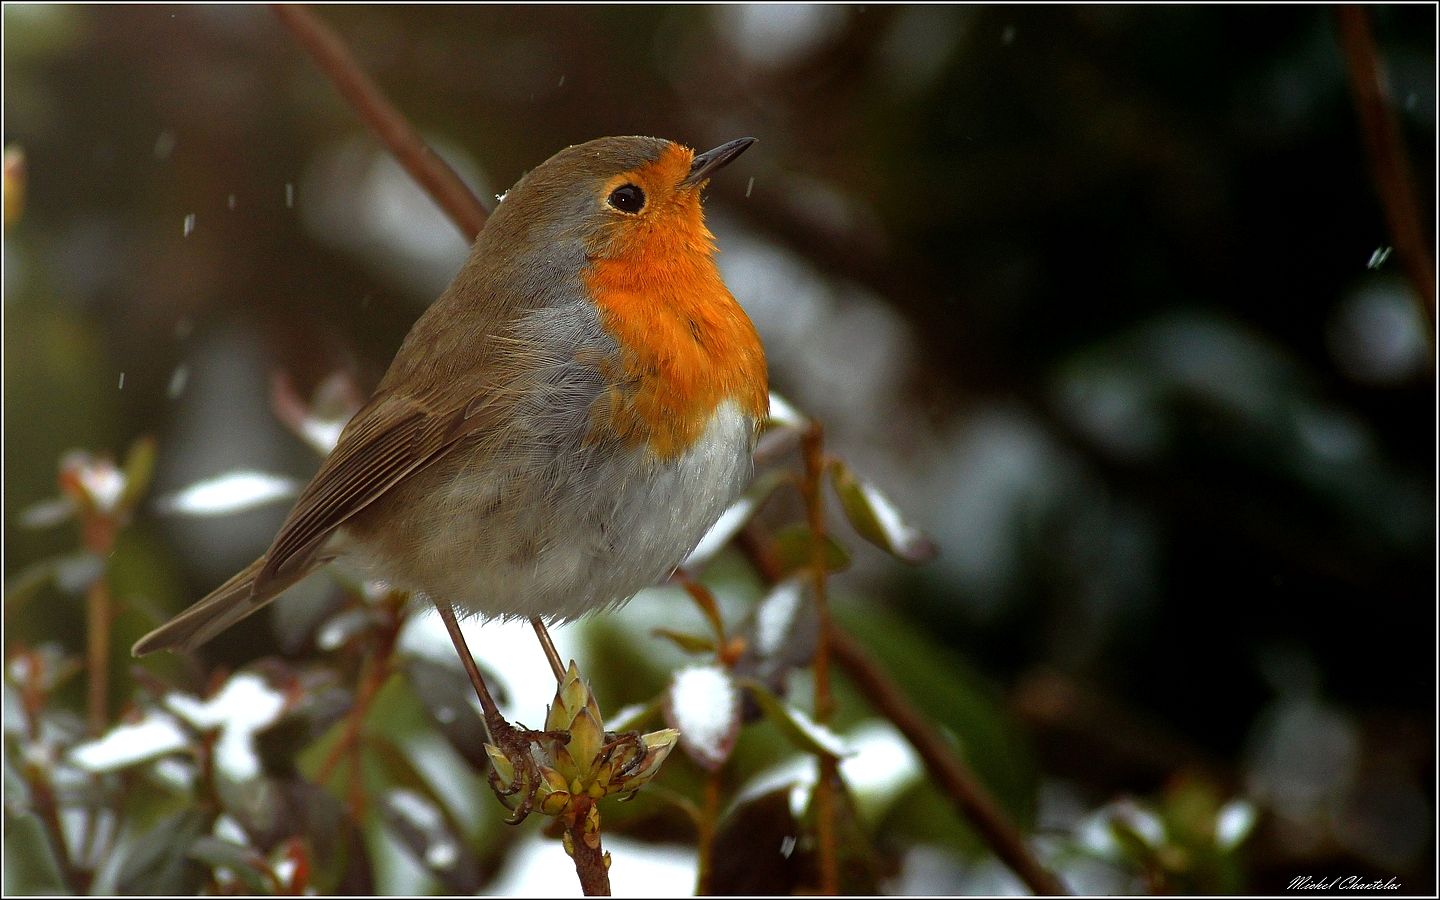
[(392, 128), (1384, 144), (964, 789)]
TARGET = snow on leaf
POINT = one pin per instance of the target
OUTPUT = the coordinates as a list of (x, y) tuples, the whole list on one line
[(244, 706), (428, 826), (877, 519), (784, 415), (703, 704), (99, 480), (775, 616), (1234, 823), (732, 520), (802, 731), (231, 492), (130, 744), (47, 513)]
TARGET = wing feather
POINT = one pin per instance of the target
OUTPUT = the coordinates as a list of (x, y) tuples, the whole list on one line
[(389, 439)]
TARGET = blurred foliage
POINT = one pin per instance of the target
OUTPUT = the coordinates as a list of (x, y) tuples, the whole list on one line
[(1100, 296)]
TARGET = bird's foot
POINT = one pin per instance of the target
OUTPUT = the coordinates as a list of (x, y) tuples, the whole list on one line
[(515, 776)]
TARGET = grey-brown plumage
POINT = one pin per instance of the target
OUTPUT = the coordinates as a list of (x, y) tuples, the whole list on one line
[(476, 473)]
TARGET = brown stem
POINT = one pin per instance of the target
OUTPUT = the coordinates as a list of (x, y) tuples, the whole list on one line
[(813, 445), (945, 768), (97, 631), (592, 864), (392, 128), (376, 668), (548, 645), (48, 810), (1385, 146), (705, 823)]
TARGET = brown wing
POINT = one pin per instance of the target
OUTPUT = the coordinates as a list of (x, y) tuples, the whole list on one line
[(389, 438)]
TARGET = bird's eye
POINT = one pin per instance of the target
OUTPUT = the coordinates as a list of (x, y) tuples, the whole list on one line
[(628, 198)]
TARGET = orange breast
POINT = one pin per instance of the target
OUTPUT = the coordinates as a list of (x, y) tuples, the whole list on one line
[(686, 345)]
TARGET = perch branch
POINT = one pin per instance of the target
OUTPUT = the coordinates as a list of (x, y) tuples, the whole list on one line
[(392, 128)]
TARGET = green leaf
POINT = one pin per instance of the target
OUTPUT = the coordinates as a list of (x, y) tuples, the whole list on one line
[(876, 519), (446, 694), (762, 849), (953, 695), (250, 867), (797, 727), (139, 471), (30, 864), (422, 827), (159, 862), (794, 549), (734, 519), (690, 643)]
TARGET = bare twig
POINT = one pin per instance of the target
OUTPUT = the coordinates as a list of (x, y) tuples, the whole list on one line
[(392, 128), (1384, 144), (974, 802), (592, 863), (706, 822), (97, 633), (813, 444)]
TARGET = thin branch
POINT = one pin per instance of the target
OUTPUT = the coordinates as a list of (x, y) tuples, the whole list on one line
[(952, 775), (707, 819), (592, 863), (392, 128), (97, 632), (813, 443), (1385, 145)]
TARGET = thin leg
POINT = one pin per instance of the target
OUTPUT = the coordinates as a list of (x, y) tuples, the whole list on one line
[(514, 743), (549, 647), (487, 703)]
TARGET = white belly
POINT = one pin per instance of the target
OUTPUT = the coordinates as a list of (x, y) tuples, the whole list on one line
[(582, 534)]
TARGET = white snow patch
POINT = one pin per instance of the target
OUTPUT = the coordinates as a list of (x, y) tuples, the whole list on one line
[(725, 528), (783, 413), (508, 650), (244, 706), (102, 481), (775, 615), (322, 434), (538, 867), (705, 705), (126, 745), (441, 851), (1234, 823), (880, 766), (231, 492), (900, 536)]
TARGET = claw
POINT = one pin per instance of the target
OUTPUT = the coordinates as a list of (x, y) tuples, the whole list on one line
[(515, 745), (629, 739)]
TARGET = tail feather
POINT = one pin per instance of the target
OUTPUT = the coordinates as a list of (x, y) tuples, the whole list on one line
[(221, 608)]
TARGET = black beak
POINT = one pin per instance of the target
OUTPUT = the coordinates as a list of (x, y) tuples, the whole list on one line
[(712, 161)]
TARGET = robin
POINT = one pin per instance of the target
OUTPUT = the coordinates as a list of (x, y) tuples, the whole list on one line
[(559, 429)]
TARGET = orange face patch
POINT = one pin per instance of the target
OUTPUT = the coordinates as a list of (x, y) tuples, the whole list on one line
[(686, 345)]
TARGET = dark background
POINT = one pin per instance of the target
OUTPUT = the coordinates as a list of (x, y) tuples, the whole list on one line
[(1094, 293)]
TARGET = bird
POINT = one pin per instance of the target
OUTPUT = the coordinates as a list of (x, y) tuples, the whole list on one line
[(559, 428)]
